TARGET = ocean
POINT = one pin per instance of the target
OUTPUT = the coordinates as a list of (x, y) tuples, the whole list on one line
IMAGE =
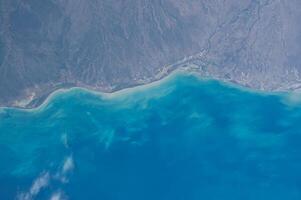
[(181, 138)]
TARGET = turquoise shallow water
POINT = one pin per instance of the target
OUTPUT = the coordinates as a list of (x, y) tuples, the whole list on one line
[(181, 139)]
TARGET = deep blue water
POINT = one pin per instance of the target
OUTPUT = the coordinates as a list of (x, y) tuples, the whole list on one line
[(182, 139)]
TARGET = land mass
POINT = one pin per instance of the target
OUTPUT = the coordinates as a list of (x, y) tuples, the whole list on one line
[(109, 45)]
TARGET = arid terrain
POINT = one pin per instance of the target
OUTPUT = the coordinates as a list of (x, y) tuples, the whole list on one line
[(109, 45)]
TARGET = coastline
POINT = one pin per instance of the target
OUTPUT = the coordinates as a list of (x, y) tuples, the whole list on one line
[(42, 101), (108, 95)]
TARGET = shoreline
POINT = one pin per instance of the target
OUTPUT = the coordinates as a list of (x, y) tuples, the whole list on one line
[(43, 101)]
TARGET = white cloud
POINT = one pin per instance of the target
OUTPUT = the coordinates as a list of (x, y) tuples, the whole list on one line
[(57, 196), (68, 165), (65, 140), (41, 182), (44, 179)]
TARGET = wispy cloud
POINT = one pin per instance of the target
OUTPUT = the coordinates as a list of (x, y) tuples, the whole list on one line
[(68, 165), (41, 182), (57, 196)]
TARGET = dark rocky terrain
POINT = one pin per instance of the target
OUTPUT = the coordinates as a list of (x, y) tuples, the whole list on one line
[(112, 44)]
